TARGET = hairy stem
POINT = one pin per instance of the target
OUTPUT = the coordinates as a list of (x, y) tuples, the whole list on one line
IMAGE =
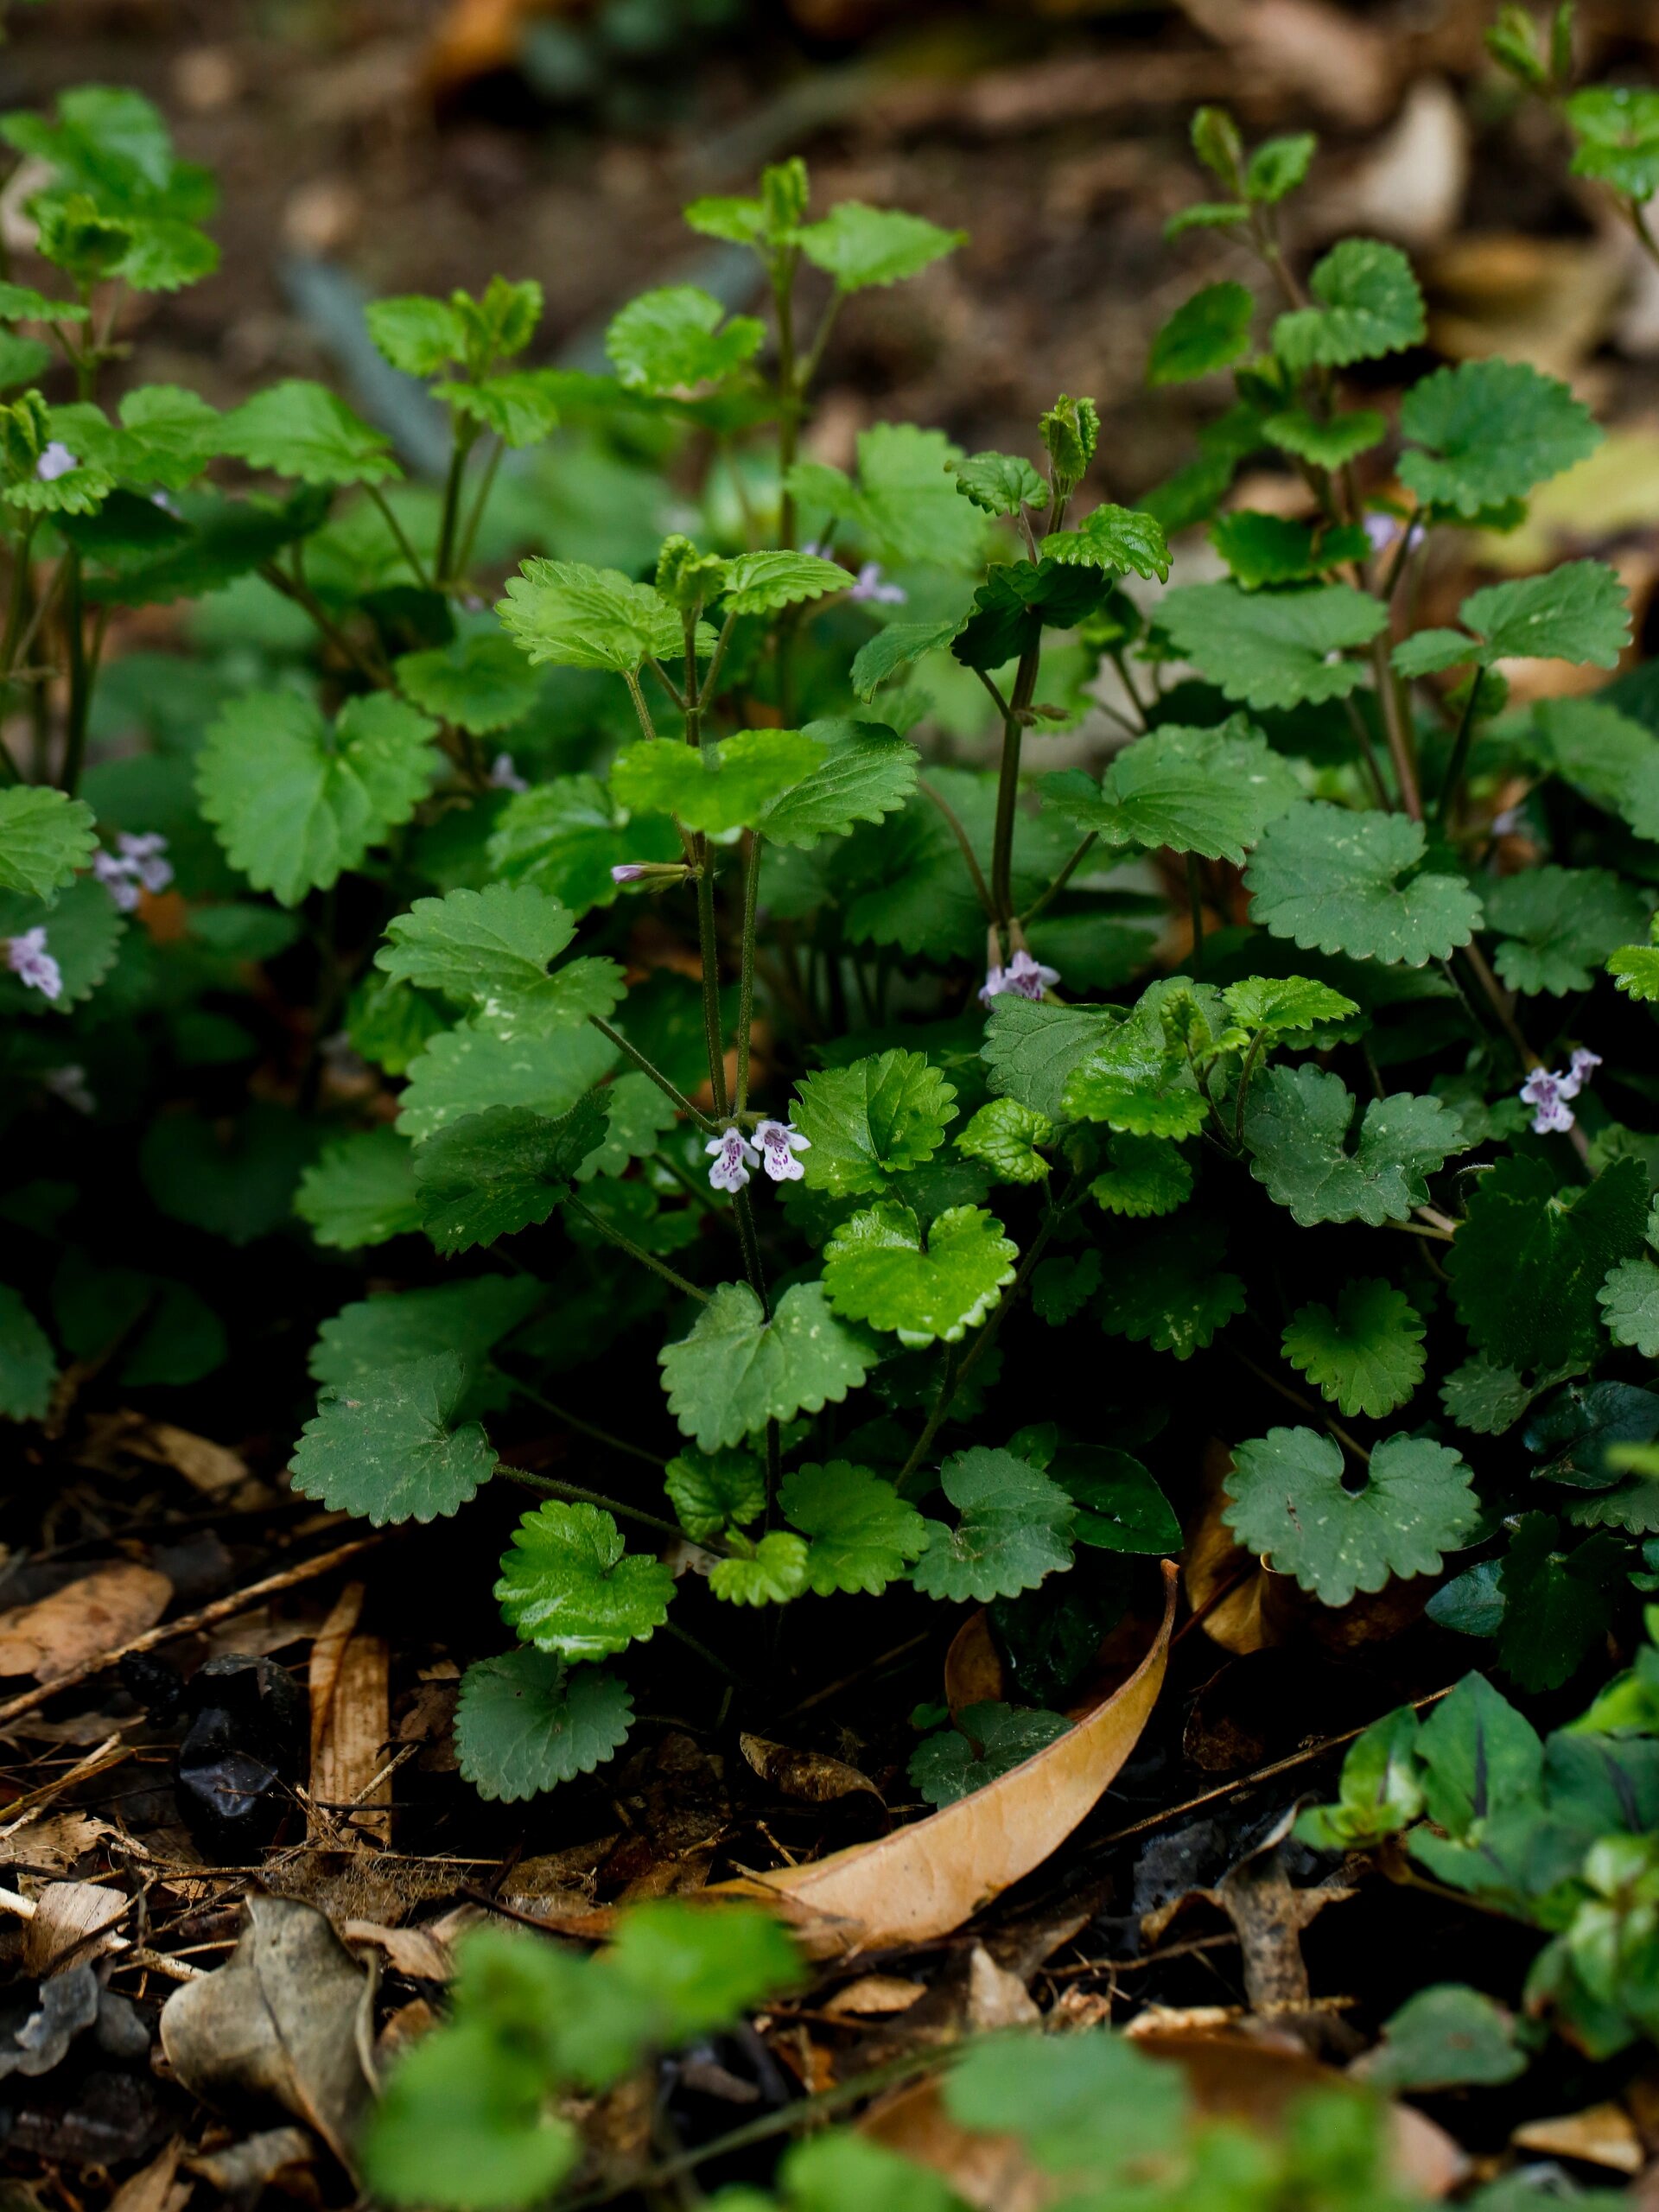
[(648, 1068), (81, 689), (745, 976), (401, 535), (583, 1427), (636, 1252), (443, 558), (554, 1488), (960, 834)]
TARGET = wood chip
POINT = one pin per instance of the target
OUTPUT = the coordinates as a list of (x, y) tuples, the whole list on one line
[(351, 1724), (102, 1610)]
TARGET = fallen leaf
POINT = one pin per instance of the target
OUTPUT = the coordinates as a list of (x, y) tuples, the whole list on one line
[(349, 1733), (34, 2038), (1347, 67), (996, 1998), (152, 2188), (1601, 2135), (102, 1610), (1269, 1916), (1218, 1573), (288, 2020), (212, 1469), (925, 1880), (991, 2172), (812, 1776), (872, 1995), (242, 2171), (413, 1951), (1547, 302), (52, 1842), (1615, 489), (66, 1916)]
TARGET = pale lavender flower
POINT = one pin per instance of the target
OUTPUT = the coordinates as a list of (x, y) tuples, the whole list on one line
[(1548, 1094), (1583, 1065), (168, 505), (69, 1084), (1508, 824), (1026, 977), (138, 862), (117, 880), (56, 461), (734, 1157), (33, 965), (817, 549), (504, 775), (629, 872), (1383, 531), (868, 586), (778, 1144)]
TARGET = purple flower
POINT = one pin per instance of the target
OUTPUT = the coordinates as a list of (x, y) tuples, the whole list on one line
[(137, 862), (734, 1157), (817, 549), (1548, 1094), (1383, 530), (33, 965), (630, 872), (1582, 1066), (778, 1144), (504, 776), (68, 1082), (56, 461), (1026, 977), (868, 586)]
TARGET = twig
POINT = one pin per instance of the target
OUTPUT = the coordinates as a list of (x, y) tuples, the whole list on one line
[(222, 1609)]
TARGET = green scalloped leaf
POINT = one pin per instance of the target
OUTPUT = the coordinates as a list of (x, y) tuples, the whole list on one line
[(1528, 1263), (1148, 1176), (1559, 924), (872, 1121), (768, 1572), (676, 336), (388, 1447), (712, 1492), (1288, 1502), (360, 1191), (860, 245), (877, 1268), (28, 1366), (1367, 1357), (1013, 1530), (526, 1722), (574, 616), (984, 1743), (1494, 429), (300, 428), (1297, 1125), (1171, 1291), (489, 1175), (867, 771), (737, 1370), (1212, 792), (863, 1534), (1278, 649), (1368, 303), (1006, 1134), (725, 786), (45, 836), (1345, 882), (569, 1586)]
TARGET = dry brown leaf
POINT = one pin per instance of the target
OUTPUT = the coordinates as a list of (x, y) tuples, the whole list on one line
[(212, 1469), (323, 1674), (872, 1995), (925, 1880), (68, 1916), (100, 1612), (413, 1951), (996, 1998), (990, 2171), (242, 2171), (52, 1842), (153, 2188), (1549, 301), (1246, 1617), (289, 2019), (1601, 2135), (812, 1776)]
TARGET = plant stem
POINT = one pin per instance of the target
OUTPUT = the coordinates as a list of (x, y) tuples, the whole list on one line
[(745, 976), (486, 485), (401, 535), (743, 1208), (789, 392), (645, 1067), (583, 1427), (580, 1496), (1008, 785), (1396, 727), (1244, 1075), (705, 697), (962, 839), (1459, 760), (936, 1417), (708, 947), (452, 484), (1303, 1405), (17, 600), (646, 725), (1195, 909), (81, 689), (1060, 881), (636, 1252)]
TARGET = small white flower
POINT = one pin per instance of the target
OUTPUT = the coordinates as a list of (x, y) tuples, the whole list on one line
[(56, 461), (778, 1144), (868, 586), (1025, 976), (33, 965), (69, 1084), (734, 1157), (1582, 1066), (504, 776), (137, 862), (1548, 1094)]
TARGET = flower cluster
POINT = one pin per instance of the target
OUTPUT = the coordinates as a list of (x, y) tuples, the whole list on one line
[(773, 1148), (137, 863), (1548, 1093), (33, 965), (1026, 977)]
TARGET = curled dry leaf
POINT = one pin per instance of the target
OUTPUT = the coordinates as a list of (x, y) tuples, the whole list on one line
[(151, 2188), (812, 1776), (1601, 2135), (873, 1995), (68, 1916), (288, 2020), (103, 1610), (925, 1880)]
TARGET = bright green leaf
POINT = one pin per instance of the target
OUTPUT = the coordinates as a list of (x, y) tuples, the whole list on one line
[(1297, 1125), (1013, 1528), (570, 1586), (737, 1370), (879, 1269), (1366, 1358), (1346, 882), (387, 1448), (1272, 650), (526, 1722), (872, 1121)]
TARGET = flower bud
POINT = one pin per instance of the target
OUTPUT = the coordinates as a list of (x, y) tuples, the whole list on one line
[(1071, 431), (686, 576), (649, 875)]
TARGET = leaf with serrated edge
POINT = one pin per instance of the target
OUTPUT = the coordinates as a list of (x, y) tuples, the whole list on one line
[(736, 1370), (44, 837), (1527, 1264), (300, 428), (1297, 1124), (1630, 1306), (712, 1491), (1174, 1294), (878, 1269), (570, 1586), (360, 1191), (1211, 791), (729, 786), (759, 583), (1273, 650), (1367, 1357), (860, 245), (867, 773), (1005, 1134), (575, 616), (387, 1448), (466, 1071), (1032, 1048), (1148, 1176), (872, 1121), (1559, 924), (772, 1572), (863, 1534), (1342, 882), (489, 1175), (1494, 429), (1013, 1530), (987, 1742), (525, 1723), (1369, 304), (1287, 1501)]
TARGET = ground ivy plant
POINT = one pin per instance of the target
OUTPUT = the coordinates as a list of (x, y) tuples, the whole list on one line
[(657, 920)]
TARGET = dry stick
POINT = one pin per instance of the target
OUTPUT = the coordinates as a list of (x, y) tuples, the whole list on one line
[(1260, 1773), (222, 1609)]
